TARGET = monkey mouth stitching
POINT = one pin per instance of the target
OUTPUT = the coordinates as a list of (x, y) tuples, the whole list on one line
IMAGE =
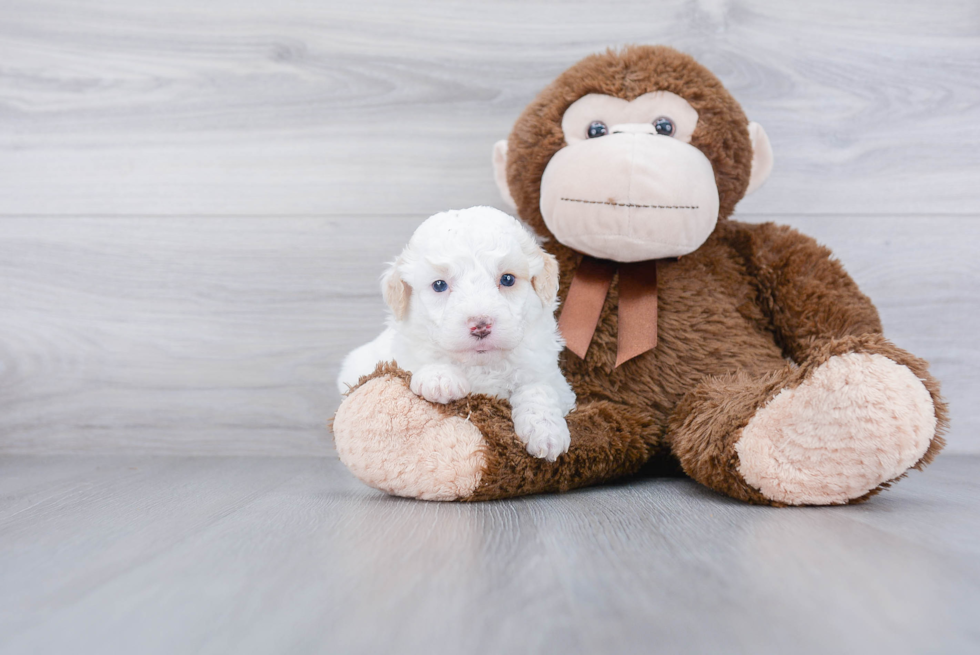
[(629, 204)]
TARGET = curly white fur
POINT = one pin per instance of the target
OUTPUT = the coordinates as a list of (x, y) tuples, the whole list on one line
[(478, 335)]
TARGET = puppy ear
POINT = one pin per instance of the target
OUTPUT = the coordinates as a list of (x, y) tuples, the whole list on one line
[(395, 290), (545, 283)]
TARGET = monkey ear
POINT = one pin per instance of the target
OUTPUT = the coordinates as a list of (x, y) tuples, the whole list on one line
[(500, 172), (545, 283), (762, 157), (395, 290)]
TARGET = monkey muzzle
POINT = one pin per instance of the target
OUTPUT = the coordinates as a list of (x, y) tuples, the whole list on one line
[(630, 196)]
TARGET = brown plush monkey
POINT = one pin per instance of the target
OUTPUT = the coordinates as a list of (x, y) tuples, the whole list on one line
[(742, 352)]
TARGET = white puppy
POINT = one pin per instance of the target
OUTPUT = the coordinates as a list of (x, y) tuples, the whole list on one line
[(472, 299)]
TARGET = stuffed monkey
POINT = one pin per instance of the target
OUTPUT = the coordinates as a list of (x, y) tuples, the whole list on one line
[(741, 352)]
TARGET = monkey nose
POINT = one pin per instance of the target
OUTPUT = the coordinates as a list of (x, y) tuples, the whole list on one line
[(633, 128), (480, 326)]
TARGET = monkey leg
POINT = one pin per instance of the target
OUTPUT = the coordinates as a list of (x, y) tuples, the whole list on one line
[(467, 450), (853, 417)]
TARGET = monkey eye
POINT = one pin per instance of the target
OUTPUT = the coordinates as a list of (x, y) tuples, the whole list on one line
[(439, 286), (664, 125), (597, 129), (507, 280)]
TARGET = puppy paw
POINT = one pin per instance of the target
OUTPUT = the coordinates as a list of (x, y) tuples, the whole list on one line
[(439, 383), (543, 431)]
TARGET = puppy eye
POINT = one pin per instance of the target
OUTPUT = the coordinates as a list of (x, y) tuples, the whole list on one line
[(664, 125), (597, 128), (439, 286), (507, 280)]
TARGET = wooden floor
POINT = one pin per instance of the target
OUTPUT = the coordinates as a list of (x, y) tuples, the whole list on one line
[(151, 554)]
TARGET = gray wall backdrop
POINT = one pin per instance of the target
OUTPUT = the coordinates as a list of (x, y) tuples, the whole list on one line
[(196, 198)]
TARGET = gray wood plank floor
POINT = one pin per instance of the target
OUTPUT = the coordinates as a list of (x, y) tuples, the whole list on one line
[(133, 554)]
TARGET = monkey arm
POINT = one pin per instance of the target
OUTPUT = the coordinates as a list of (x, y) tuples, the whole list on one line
[(806, 294)]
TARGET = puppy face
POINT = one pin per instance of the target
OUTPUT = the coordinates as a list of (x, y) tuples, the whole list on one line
[(470, 282)]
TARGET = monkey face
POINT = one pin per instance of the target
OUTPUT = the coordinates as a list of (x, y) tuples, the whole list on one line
[(629, 185), (631, 155)]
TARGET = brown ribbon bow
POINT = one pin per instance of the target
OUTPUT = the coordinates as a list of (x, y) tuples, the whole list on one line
[(637, 306)]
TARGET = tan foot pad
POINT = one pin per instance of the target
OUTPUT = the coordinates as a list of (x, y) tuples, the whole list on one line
[(859, 420), (401, 444)]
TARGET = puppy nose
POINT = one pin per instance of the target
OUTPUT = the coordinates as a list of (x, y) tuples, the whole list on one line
[(480, 326)]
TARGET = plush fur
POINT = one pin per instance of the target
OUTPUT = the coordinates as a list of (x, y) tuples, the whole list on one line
[(722, 132), (756, 312), (852, 409), (416, 451)]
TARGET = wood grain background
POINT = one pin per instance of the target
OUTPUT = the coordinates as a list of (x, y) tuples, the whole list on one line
[(196, 199)]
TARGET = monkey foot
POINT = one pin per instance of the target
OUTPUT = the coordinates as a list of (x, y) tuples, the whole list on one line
[(397, 442), (406, 446), (858, 421)]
